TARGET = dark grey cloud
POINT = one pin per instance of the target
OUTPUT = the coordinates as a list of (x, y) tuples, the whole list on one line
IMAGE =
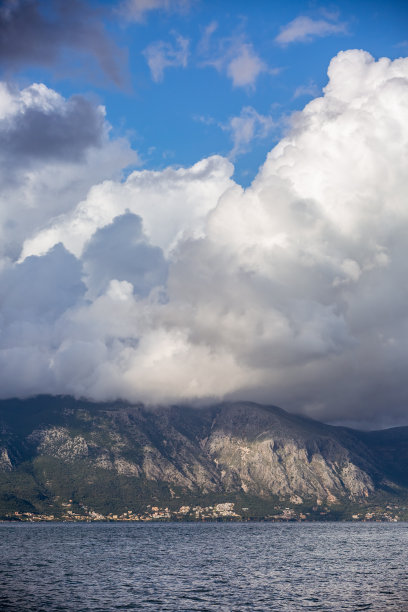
[(120, 251), (36, 32), (40, 289), (65, 131)]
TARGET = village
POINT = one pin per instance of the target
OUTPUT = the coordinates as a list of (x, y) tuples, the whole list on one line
[(225, 511), (152, 513)]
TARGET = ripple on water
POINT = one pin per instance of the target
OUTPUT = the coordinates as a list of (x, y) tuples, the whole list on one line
[(179, 567)]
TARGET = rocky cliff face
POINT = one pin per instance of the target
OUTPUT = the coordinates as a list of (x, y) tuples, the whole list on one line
[(263, 450), (58, 444)]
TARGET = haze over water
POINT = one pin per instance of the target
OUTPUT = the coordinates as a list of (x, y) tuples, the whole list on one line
[(213, 566)]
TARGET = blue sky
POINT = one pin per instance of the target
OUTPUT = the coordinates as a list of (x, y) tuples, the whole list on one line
[(185, 110)]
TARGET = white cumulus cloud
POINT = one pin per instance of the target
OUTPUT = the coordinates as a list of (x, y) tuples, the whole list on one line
[(173, 204), (180, 284)]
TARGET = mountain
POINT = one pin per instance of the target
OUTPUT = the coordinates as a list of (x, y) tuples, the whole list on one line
[(65, 457)]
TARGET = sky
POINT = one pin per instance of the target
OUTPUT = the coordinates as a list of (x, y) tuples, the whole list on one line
[(205, 201)]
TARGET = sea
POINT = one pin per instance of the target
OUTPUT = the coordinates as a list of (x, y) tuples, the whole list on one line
[(203, 566)]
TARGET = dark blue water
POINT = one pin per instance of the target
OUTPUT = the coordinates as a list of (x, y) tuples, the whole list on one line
[(226, 567)]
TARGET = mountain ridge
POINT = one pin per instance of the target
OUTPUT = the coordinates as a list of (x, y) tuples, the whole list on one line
[(115, 454)]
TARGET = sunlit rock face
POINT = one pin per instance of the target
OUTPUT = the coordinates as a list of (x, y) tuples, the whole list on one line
[(263, 451)]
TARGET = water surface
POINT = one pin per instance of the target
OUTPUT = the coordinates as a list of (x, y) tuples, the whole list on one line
[(203, 566)]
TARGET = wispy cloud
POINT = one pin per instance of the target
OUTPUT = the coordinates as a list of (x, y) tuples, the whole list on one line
[(247, 127), (245, 67), (205, 42), (161, 55), (311, 89), (243, 129), (234, 56), (305, 29), (136, 10)]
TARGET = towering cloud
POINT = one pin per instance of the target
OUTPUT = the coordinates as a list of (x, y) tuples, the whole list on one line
[(181, 285)]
